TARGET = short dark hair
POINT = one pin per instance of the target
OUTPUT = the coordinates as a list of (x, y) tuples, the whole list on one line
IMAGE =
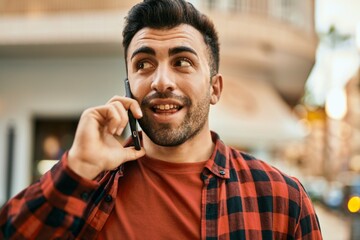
[(166, 14)]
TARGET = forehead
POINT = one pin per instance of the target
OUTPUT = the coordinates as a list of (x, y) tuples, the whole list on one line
[(182, 35)]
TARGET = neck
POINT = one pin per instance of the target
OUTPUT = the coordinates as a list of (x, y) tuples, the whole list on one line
[(197, 149)]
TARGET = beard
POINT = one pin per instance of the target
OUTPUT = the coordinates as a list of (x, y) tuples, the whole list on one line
[(165, 134)]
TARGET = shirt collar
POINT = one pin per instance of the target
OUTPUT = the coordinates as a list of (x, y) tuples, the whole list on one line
[(218, 164)]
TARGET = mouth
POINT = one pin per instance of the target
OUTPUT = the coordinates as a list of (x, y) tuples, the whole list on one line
[(166, 108), (165, 111)]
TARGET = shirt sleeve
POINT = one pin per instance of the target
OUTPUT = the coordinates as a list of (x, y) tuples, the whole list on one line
[(308, 226), (52, 207)]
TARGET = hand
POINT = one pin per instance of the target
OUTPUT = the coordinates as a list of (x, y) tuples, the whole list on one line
[(95, 146)]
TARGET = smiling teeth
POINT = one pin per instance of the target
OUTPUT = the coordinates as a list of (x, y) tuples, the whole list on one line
[(166, 106)]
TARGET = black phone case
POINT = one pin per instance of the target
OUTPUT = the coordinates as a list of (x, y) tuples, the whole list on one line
[(132, 120)]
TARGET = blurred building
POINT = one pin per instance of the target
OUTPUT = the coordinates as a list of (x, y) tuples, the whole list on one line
[(59, 57)]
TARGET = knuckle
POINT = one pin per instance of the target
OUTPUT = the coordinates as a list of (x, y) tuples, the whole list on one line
[(87, 112), (114, 98)]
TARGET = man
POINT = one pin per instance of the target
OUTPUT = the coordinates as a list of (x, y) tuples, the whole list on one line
[(184, 183)]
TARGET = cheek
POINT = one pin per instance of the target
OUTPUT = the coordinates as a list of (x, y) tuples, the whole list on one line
[(195, 88), (139, 89)]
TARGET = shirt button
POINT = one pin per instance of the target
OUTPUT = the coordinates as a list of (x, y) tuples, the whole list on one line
[(85, 196), (108, 198), (222, 172)]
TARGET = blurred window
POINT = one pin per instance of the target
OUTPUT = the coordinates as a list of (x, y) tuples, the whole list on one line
[(52, 137)]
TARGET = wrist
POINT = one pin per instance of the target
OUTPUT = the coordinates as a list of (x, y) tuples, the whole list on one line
[(82, 168)]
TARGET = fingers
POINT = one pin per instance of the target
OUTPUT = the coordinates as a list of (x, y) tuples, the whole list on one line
[(128, 103), (114, 113), (118, 118), (112, 117)]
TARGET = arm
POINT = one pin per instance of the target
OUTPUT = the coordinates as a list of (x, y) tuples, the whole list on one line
[(49, 208), (56, 205)]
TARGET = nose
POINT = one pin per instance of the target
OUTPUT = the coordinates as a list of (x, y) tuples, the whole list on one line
[(163, 80)]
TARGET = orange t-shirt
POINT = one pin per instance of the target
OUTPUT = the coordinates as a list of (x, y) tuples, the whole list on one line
[(157, 200)]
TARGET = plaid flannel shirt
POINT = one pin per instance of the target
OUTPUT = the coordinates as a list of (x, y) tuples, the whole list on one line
[(242, 198)]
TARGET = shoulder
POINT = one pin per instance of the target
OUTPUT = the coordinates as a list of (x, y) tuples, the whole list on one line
[(262, 174), (271, 190)]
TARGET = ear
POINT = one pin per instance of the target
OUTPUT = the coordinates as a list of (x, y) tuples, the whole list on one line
[(216, 88)]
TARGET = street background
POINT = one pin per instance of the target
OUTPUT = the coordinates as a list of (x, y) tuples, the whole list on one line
[(291, 89)]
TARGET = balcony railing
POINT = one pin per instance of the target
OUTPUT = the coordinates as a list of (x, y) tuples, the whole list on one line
[(25, 7), (299, 13)]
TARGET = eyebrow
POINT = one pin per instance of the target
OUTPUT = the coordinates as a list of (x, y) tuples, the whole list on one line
[(176, 50), (147, 50), (172, 51)]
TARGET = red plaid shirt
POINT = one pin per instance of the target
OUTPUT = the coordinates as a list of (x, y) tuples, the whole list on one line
[(242, 198)]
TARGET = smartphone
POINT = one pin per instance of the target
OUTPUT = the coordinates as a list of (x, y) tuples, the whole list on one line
[(132, 120)]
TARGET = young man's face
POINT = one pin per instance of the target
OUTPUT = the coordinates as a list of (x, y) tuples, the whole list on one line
[(169, 75)]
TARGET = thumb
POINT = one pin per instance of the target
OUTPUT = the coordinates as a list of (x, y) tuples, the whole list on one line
[(132, 154), (124, 155)]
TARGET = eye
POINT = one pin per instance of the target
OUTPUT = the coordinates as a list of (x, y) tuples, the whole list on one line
[(183, 62), (143, 65)]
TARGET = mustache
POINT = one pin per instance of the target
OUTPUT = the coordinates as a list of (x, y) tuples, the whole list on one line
[(164, 95)]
